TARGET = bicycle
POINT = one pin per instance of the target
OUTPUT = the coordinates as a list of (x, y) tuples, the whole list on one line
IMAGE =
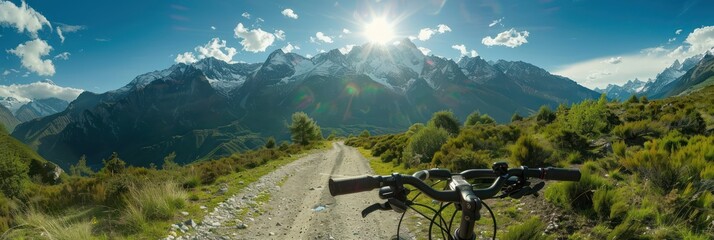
[(461, 193)]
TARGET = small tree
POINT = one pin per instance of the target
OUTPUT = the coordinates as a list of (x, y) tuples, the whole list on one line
[(633, 99), (303, 129), (644, 100), (447, 121), (364, 134), (170, 163), (516, 117), (81, 168), (270, 144), (414, 129), (545, 115), (13, 174), (114, 165), (476, 118)]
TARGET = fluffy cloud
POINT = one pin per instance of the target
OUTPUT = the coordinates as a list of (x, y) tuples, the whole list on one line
[(426, 33), (497, 21), (614, 60), (63, 56), (346, 49), (321, 37), (678, 31), (645, 64), (246, 15), (346, 31), (255, 40), (24, 18), (39, 90), (66, 28), (424, 50), (186, 58), (289, 13), (213, 27), (31, 53), (510, 38), (280, 34), (289, 48), (215, 48), (463, 51), (698, 41)]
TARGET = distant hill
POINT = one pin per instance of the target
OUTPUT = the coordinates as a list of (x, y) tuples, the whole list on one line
[(40, 108), (212, 108)]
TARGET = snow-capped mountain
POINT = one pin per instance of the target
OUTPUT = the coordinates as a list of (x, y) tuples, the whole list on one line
[(211, 108), (11, 103), (632, 87), (668, 75), (40, 108), (7, 119)]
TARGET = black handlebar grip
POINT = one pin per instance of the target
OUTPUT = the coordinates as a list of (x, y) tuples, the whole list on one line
[(353, 185), (561, 174)]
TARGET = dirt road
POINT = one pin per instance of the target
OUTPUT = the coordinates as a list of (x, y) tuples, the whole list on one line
[(300, 205)]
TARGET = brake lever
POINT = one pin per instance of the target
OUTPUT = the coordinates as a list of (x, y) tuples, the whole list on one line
[(527, 190), (390, 204)]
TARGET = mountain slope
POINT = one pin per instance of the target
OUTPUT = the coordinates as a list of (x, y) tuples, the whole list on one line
[(625, 91), (40, 108), (7, 119), (659, 86), (696, 78)]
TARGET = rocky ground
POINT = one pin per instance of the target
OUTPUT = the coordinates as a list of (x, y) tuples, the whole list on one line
[(293, 202)]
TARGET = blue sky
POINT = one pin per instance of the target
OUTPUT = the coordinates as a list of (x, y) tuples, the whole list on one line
[(108, 43)]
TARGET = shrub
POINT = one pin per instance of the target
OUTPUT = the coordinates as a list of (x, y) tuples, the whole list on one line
[(476, 118), (532, 228), (636, 133), (153, 201), (414, 128), (13, 175), (461, 159), (528, 152), (425, 143), (169, 163), (575, 195), (545, 115), (364, 134), (270, 144), (619, 148), (516, 117), (571, 141), (44, 226), (114, 165), (81, 168), (445, 120), (633, 99)]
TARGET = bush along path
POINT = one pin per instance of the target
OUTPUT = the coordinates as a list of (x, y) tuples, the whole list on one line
[(293, 202)]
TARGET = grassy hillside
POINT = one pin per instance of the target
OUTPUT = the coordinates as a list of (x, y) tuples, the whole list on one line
[(648, 166)]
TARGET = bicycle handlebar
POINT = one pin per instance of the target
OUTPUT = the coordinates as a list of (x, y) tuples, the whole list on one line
[(367, 183)]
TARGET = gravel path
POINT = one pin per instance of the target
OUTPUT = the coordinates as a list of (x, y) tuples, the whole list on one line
[(301, 207)]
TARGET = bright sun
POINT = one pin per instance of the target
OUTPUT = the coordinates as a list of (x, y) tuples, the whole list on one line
[(379, 31)]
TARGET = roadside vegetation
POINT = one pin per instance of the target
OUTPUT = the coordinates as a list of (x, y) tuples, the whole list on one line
[(127, 202), (647, 166)]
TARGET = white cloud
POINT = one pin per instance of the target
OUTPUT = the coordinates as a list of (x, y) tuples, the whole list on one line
[(322, 37), (255, 40), (671, 40), (308, 55), (259, 20), (289, 48), (465, 52), (63, 56), (347, 48), (216, 48), (102, 39), (614, 60), (644, 64), (510, 38), (442, 28), (70, 28), (10, 71), (427, 33), (678, 31), (213, 27), (497, 21), (31, 53), (246, 15), (59, 33), (39, 90), (424, 50), (186, 58), (289, 13), (697, 42), (24, 18), (346, 31), (280, 34)]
